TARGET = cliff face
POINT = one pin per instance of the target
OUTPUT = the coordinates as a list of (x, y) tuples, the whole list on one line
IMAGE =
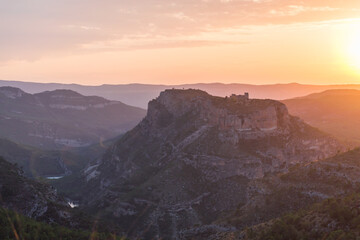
[(248, 116), (190, 161)]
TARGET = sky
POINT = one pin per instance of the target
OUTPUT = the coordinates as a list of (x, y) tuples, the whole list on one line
[(180, 41)]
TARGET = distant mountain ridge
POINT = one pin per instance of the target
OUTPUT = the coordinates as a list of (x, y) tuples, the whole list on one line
[(62, 118), (140, 94), (334, 111)]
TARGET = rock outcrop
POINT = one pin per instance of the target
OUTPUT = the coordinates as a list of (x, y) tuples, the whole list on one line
[(191, 160)]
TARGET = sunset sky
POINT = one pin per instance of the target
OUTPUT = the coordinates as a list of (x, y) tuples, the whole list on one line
[(180, 41)]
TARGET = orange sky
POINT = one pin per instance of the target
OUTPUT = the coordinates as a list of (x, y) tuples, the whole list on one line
[(181, 41)]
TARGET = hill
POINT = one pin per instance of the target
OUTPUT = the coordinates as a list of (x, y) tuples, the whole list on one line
[(62, 118), (334, 111)]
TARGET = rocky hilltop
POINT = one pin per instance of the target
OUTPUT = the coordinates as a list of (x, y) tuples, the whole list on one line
[(192, 159), (62, 118)]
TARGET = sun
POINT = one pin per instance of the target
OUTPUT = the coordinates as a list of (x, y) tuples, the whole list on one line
[(354, 49)]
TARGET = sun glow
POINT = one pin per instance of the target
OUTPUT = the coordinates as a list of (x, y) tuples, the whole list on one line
[(354, 48)]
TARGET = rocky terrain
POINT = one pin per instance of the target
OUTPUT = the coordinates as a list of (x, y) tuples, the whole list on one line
[(31, 198), (333, 218), (33, 210), (299, 188), (62, 118), (333, 184), (195, 161)]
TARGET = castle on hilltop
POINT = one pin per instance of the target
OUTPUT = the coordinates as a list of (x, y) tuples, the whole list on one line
[(239, 97)]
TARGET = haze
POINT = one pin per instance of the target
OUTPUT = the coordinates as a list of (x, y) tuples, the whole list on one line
[(174, 42)]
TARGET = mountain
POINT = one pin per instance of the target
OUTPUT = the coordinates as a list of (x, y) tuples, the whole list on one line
[(333, 111), (193, 161), (140, 94), (62, 118)]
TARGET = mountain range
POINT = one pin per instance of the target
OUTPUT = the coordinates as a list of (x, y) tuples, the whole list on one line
[(196, 166), (62, 118), (140, 94)]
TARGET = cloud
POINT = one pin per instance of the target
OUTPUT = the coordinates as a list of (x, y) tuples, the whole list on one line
[(33, 29), (127, 45), (294, 10)]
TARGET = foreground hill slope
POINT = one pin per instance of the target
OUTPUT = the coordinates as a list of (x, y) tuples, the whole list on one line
[(31, 198), (62, 118), (33, 210), (334, 182), (334, 218), (15, 226), (299, 188), (192, 160), (334, 111)]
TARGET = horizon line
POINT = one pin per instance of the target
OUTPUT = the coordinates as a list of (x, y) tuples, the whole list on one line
[(185, 84)]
